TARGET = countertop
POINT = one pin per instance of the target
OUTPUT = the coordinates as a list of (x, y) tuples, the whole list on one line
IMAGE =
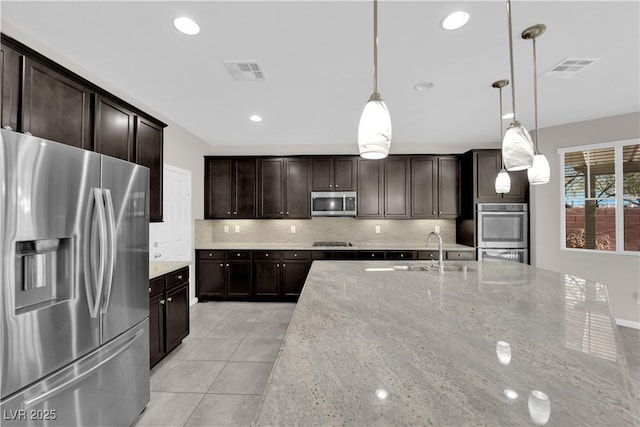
[(359, 247), (449, 349), (159, 268)]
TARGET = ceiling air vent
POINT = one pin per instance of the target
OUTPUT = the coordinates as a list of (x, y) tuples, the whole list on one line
[(569, 67), (245, 70)]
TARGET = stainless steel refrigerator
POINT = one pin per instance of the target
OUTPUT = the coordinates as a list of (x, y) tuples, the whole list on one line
[(74, 229)]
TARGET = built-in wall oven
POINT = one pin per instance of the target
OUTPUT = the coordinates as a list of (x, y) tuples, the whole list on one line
[(502, 231)]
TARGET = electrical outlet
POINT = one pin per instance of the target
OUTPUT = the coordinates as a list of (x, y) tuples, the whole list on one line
[(226, 228), (237, 229), (377, 229), (437, 228), (293, 229)]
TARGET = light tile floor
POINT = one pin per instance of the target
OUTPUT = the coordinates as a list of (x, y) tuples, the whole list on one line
[(217, 376)]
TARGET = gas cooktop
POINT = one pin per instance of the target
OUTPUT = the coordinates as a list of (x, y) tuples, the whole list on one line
[(331, 244)]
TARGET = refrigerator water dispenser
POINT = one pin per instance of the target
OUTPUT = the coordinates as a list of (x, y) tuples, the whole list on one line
[(43, 273)]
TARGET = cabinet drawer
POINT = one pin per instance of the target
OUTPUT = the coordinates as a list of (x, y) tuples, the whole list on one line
[(156, 285), (321, 255), (345, 255), (401, 255), (231, 255), (262, 255), (210, 254), (303, 255), (428, 255), (371, 254), (176, 277), (467, 255)]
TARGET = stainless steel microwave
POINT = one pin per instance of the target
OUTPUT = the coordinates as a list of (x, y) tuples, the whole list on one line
[(333, 203)]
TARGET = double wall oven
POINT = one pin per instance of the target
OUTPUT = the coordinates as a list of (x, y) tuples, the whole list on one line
[(503, 232)]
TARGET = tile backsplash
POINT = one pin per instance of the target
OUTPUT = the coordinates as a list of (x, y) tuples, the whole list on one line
[(356, 231)]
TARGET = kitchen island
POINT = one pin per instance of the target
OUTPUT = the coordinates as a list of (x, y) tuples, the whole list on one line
[(500, 343)]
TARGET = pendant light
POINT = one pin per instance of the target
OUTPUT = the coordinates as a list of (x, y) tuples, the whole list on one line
[(517, 147), (503, 181), (539, 172), (374, 131)]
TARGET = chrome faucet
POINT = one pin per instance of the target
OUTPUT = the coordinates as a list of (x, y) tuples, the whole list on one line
[(440, 258)]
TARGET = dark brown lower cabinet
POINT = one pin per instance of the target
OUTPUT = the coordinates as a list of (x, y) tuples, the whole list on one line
[(294, 273), (168, 313)]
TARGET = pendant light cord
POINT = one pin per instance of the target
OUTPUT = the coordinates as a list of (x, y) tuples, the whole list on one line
[(535, 93), (501, 159), (375, 46), (513, 83)]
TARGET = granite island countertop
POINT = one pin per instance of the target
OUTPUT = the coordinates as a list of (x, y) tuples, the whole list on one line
[(159, 268), (500, 344)]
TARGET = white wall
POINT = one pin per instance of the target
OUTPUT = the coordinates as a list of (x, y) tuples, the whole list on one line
[(621, 273)]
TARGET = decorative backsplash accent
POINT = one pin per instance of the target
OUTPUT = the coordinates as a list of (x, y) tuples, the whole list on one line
[(356, 231)]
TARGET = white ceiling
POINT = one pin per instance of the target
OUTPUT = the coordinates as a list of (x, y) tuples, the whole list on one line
[(318, 60)]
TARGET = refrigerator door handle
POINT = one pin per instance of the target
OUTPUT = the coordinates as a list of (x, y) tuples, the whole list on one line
[(42, 397), (112, 244), (94, 280)]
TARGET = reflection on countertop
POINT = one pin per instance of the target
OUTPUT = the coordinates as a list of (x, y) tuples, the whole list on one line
[(159, 268), (501, 343)]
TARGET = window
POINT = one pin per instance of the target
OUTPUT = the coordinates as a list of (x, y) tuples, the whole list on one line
[(601, 191)]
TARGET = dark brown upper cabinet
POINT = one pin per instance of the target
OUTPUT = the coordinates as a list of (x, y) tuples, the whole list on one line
[(284, 188), (334, 173), (113, 129), (434, 187), (54, 106), (230, 188), (397, 187), (149, 152), (10, 97), (370, 188)]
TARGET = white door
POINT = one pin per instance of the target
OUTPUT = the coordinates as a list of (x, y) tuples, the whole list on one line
[(170, 240)]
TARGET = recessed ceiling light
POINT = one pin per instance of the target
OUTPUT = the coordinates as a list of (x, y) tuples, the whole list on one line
[(455, 20), (186, 25), (507, 116), (422, 86), (255, 118)]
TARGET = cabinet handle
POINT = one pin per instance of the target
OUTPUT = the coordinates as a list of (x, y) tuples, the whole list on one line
[(284, 265), (235, 213), (287, 212), (440, 213), (434, 212), (266, 254), (149, 290), (210, 254), (401, 255), (169, 299), (337, 185), (180, 277), (229, 213), (227, 265), (237, 254), (373, 255), (162, 301), (281, 213), (295, 254), (221, 265), (278, 265), (330, 185)]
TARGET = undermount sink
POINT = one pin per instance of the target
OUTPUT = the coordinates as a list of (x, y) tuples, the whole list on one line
[(446, 267)]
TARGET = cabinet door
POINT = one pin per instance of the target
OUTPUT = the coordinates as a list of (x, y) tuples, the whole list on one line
[(487, 168), (423, 187), (370, 188), (345, 173), (448, 187), (156, 328), (322, 174), (245, 186), (519, 187), (149, 147), (266, 277), (113, 129), (55, 107), (294, 273), (397, 187), (10, 96), (298, 196), (177, 318), (270, 192), (218, 194), (239, 278), (211, 278)]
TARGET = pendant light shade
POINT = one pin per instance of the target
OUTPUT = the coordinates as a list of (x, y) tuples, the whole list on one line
[(374, 130), (503, 180), (539, 172), (517, 146)]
